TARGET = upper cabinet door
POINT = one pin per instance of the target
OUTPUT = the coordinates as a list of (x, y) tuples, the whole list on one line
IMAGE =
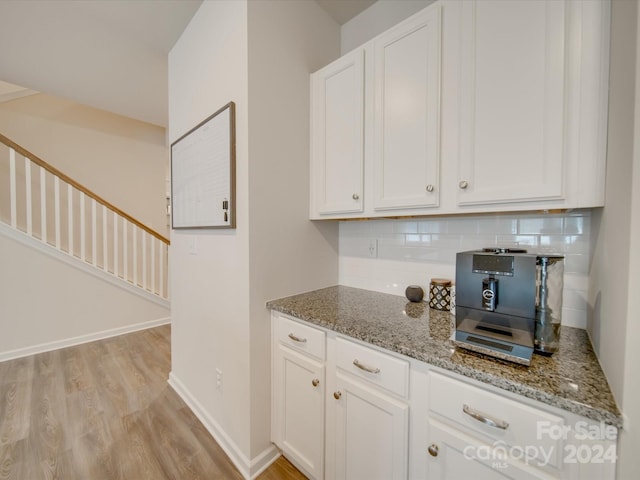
[(406, 146), (513, 64), (337, 137)]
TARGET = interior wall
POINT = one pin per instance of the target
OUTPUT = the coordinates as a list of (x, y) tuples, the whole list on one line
[(210, 268), (288, 253), (379, 17), (45, 303), (611, 242), (629, 462), (124, 161)]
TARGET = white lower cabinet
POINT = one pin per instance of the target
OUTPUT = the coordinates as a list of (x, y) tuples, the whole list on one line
[(453, 455), (345, 410), (489, 434), (298, 390), (470, 429), (369, 410), (371, 433), (301, 410), (364, 392)]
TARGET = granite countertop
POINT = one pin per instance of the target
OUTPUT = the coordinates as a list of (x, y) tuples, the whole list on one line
[(570, 379)]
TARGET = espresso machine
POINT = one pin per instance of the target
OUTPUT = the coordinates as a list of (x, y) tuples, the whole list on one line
[(508, 303)]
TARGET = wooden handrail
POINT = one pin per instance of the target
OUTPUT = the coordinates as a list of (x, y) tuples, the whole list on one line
[(78, 186)]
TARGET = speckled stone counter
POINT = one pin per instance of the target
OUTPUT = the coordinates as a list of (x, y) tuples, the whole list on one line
[(570, 379)]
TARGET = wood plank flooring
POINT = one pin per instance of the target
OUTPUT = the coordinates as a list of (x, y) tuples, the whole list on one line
[(104, 410)]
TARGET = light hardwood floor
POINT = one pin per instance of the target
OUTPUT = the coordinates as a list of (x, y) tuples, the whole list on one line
[(104, 410)]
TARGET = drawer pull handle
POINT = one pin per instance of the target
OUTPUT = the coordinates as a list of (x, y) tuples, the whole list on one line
[(297, 339), (486, 419), (337, 395), (315, 382), (365, 367)]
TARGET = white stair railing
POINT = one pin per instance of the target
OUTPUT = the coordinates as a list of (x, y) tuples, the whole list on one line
[(74, 220)]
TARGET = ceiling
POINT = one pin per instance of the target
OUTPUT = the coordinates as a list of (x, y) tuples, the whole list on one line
[(109, 54)]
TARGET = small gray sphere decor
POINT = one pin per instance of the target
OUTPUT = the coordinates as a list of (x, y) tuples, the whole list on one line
[(414, 293)]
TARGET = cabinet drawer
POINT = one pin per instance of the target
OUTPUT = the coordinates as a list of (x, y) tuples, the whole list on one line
[(505, 421), (385, 371), (301, 337)]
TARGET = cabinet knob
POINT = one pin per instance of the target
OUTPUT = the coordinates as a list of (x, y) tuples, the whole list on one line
[(337, 395), (433, 450), (315, 382), (355, 196), (463, 184), (430, 188)]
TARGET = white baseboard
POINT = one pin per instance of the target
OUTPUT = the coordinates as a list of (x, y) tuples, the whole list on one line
[(91, 337), (260, 463), (249, 469)]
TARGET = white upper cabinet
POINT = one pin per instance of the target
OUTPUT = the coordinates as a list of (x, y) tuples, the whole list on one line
[(513, 64), (377, 109), (406, 148), (467, 107), (337, 137), (532, 104)]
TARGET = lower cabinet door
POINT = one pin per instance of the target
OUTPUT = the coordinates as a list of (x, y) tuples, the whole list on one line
[(299, 410), (371, 433), (451, 454)]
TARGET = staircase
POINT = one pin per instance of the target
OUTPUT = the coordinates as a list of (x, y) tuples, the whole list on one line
[(43, 204), (73, 267)]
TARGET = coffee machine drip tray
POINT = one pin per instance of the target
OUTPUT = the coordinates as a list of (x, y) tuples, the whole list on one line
[(506, 337)]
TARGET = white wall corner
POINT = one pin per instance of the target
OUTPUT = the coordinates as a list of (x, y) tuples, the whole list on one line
[(249, 468)]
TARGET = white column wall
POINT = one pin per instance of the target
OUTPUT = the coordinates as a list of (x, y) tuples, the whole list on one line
[(210, 289), (260, 55), (289, 253)]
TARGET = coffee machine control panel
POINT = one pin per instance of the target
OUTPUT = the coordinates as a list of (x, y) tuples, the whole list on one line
[(497, 282), (493, 264)]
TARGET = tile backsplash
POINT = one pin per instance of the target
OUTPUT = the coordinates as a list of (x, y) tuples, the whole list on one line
[(387, 255)]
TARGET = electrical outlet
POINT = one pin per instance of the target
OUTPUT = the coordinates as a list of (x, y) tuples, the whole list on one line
[(218, 378), (373, 248)]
